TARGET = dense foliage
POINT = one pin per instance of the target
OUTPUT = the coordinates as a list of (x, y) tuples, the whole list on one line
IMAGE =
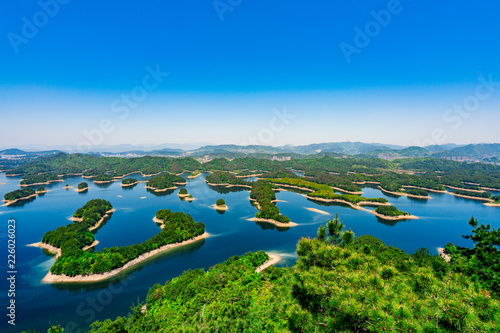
[(183, 191), (128, 181), (165, 181), (37, 179), (220, 202), (103, 178), (41, 189), (390, 211), (220, 177), (264, 194), (416, 191), (18, 194), (482, 262), (356, 285), (484, 195), (82, 185)]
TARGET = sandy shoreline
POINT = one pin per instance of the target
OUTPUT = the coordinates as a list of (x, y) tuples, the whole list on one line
[(273, 259), (98, 224), (463, 189), (52, 278), (346, 191), (405, 194), (423, 188), (158, 221), (67, 187), (249, 176), (358, 206), (82, 189), (41, 192), (446, 257), (490, 189), (103, 181), (43, 183), (11, 202), (220, 207), (162, 190), (183, 195), (228, 185), (276, 223), (469, 197), (492, 204), (193, 177), (132, 184), (317, 211)]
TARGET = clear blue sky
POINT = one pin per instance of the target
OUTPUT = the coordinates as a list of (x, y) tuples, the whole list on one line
[(231, 64)]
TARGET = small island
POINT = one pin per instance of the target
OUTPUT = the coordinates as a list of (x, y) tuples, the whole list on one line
[(221, 178), (43, 179), (41, 190), (67, 187), (190, 198), (473, 195), (194, 174), (75, 264), (18, 195), (103, 179), (220, 204), (127, 182), (392, 213), (165, 182), (82, 187), (183, 193)]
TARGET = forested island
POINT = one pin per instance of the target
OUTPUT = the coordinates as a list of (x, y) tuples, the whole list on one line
[(220, 204), (339, 283), (75, 264), (82, 187), (165, 182), (103, 179), (41, 190), (222, 178), (43, 179), (17, 195), (129, 182), (263, 195)]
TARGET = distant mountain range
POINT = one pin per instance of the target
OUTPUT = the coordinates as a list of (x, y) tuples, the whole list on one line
[(472, 152)]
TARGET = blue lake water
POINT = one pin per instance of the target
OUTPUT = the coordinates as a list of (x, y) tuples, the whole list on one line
[(443, 219)]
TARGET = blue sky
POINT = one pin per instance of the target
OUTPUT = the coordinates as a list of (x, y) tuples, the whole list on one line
[(233, 64)]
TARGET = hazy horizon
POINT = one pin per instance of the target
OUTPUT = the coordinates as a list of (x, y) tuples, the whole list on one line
[(184, 72)]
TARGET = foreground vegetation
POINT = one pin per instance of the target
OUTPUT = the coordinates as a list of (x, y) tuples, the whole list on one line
[(339, 284)]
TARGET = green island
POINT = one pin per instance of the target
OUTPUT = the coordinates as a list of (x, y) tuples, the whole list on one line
[(183, 193), (82, 187), (339, 283), (129, 182), (194, 174), (16, 195), (42, 179), (103, 178), (390, 211), (41, 190), (479, 195), (225, 178), (76, 237), (417, 192), (165, 182), (263, 194)]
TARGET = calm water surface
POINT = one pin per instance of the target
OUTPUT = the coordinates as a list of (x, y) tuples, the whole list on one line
[(443, 219)]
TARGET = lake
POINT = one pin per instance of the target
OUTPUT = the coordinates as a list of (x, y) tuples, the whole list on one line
[(443, 219)]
